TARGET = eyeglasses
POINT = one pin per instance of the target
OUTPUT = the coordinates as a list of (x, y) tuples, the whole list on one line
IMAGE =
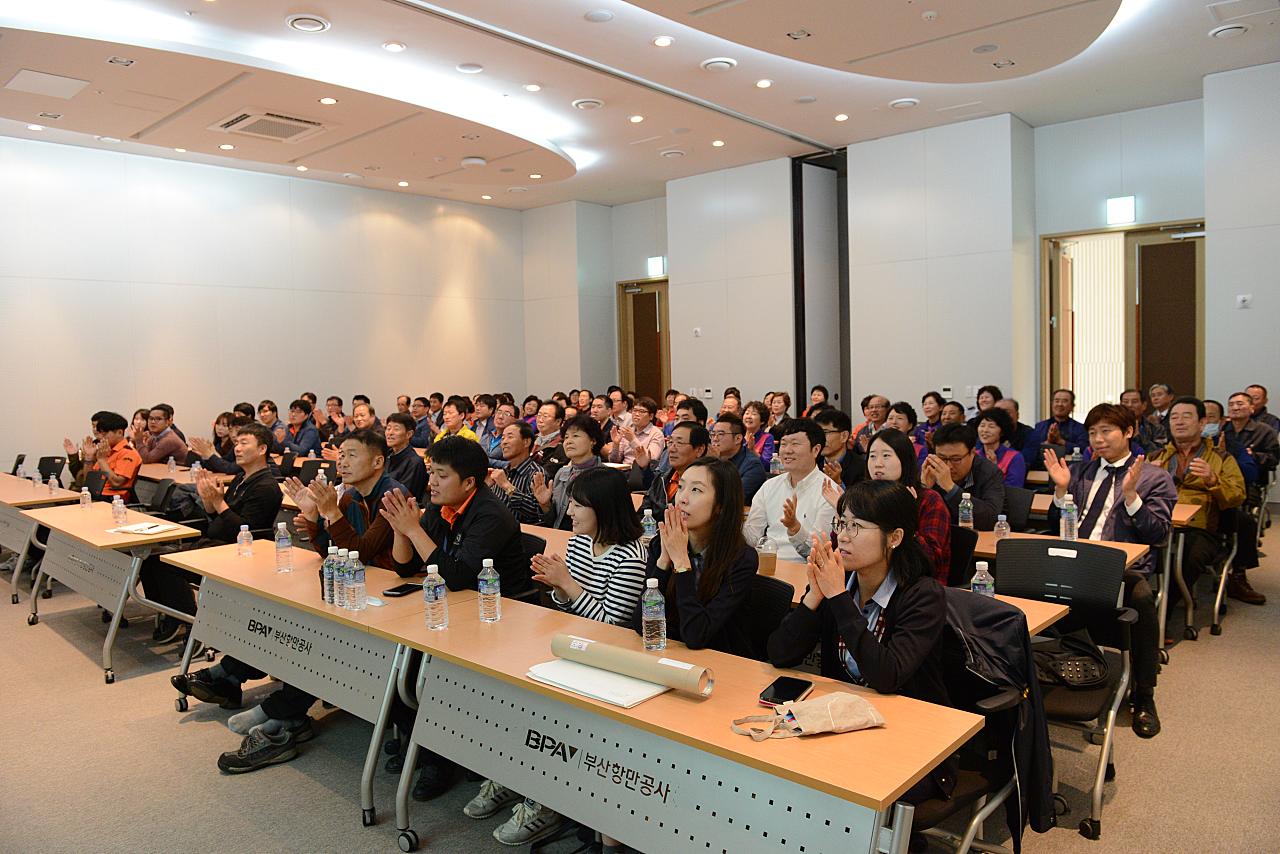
[(723, 434), (678, 443), (952, 460), (842, 527)]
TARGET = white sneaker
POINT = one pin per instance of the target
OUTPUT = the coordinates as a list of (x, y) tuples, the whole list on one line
[(529, 822), (492, 797)]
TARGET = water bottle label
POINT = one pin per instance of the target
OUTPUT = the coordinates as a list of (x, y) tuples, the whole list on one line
[(489, 587)]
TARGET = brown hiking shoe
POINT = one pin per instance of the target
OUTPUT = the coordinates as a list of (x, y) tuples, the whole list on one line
[(1238, 587)]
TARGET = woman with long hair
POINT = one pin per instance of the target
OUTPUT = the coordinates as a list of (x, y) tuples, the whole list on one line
[(702, 562), (882, 627)]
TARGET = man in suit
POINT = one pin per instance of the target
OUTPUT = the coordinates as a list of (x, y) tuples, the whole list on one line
[(1122, 499)]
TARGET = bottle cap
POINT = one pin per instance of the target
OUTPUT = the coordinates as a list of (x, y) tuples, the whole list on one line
[(244, 527), (333, 550), (1002, 518), (342, 552), (487, 563), (1067, 497), (432, 569), (980, 566), (964, 495), (354, 555), (651, 583)]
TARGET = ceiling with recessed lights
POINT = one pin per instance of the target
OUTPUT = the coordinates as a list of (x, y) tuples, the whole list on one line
[(604, 100)]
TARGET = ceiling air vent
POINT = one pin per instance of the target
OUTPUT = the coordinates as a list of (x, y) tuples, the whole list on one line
[(262, 124)]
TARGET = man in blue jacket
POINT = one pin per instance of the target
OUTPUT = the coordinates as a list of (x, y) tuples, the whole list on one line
[(1122, 499), (727, 444), (301, 436), (1058, 429)]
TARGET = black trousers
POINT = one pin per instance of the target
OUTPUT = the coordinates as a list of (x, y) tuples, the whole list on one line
[(169, 585), (1145, 637), (1199, 551), (287, 703)]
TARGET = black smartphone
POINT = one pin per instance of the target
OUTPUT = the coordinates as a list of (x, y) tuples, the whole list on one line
[(785, 689), (403, 589)]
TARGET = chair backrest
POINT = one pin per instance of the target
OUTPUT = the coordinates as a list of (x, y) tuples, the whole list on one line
[(310, 468), (160, 498), (1017, 506), (94, 481), (532, 545), (17, 463), (286, 463), (1079, 574), (963, 542), (770, 602), (51, 466)]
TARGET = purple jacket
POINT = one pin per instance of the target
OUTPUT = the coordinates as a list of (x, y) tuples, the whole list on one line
[(1149, 526)]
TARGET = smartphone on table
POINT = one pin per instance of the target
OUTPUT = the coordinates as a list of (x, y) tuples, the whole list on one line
[(403, 589), (785, 689)]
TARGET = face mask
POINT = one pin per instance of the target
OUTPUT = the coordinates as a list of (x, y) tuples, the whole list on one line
[(1210, 431)]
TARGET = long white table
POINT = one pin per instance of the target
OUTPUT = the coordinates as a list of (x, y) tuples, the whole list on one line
[(18, 533)]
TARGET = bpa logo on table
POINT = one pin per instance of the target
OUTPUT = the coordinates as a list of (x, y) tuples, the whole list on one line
[(548, 744)]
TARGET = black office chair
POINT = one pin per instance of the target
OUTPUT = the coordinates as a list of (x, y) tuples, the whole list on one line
[(159, 503), (286, 464), (963, 542), (95, 481), (1090, 579), (1017, 506), (51, 466), (770, 602), (17, 463), (310, 468), (534, 545)]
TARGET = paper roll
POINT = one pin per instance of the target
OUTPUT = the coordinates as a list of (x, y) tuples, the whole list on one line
[(651, 667)]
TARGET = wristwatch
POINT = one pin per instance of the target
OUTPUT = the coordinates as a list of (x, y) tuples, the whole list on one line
[(680, 569)]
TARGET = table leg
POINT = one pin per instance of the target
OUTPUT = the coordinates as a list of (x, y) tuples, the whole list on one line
[(1165, 581), (17, 567), (1189, 605), (135, 566), (34, 598), (375, 743), (408, 840)]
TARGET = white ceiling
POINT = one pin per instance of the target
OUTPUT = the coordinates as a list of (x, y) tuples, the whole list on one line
[(401, 111)]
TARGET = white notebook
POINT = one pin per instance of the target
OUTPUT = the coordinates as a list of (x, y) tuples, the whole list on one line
[(624, 691), (144, 528)]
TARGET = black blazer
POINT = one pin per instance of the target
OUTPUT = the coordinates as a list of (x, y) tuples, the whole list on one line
[(721, 624), (254, 501)]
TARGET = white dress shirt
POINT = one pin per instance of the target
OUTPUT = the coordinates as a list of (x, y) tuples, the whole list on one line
[(812, 511), (1108, 500)]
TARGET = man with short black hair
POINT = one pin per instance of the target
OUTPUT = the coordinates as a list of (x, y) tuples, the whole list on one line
[(301, 436), (114, 456), (846, 467), (513, 484), (790, 509), (455, 420), (619, 407), (546, 444), (482, 420), (727, 444), (1242, 429), (364, 417), (269, 415), (424, 426), (876, 409), (335, 427), (1058, 429), (954, 469), (1258, 396), (404, 464), (687, 442), (503, 414), (435, 402), (160, 441), (1151, 435)]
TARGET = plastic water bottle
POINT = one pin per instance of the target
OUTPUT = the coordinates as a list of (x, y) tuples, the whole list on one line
[(311, 454), (53, 483), (327, 569), (22, 472), (35, 480), (654, 612), (650, 527), (119, 513), (320, 478), (340, 579), (356, 597), (173, 466), (1068, 518), (435, 595), (85, 498), (966, 510), (775, 465), (244, 542), (983, 584), (1002, 527), (284, 549), (490, 587), (195, 470)]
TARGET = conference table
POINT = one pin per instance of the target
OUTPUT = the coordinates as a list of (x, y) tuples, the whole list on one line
[(84, 554), (1182, 515), (18, 533), (279, 623)]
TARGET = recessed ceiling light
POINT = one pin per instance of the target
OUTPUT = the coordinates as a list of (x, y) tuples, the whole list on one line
[(719, 63), (663, 41), (532, 87), (635, 120), (1228, 31), (671, 153), (517, 189), (393, 47), (470, 67), (535, 175), (842, 117), (487, 197), (402, 183), (307, 23), (506, 169), (301, 168), (328, 102), (181, 150), (904, 103), (107, 139), (797, 35), (986, 48), (588, 104), (471, 137), (718, 143), (599, 16), (473, 162), (35, 127), (226, 146), (119, 60), (353, 176), (764, 84), (1003, 63)]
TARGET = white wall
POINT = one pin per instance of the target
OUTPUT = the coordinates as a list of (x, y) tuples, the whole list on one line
[(126, 280), (729, 245), (934, 277), (552, 360), (597, 298), (639, 233), (1155, 154), (1242, 215), (821, 280)]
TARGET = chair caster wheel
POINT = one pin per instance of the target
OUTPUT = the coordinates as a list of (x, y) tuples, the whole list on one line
[(408, 841), (109, 677), (32, 619), (46, 593), (1091, 828), (1111, 772), (1164, 656), (1215, 629), (106, 616), (1093, 737), (1191, 633), (180, 704), (366, 817), (1060, 807), (14, 598)]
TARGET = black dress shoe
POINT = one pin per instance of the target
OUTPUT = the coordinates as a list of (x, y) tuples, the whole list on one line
[(1146, 723), (435, 778), (203, 686)]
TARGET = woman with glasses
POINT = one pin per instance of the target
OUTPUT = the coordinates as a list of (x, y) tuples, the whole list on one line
[(883, 626), (703, 564)]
